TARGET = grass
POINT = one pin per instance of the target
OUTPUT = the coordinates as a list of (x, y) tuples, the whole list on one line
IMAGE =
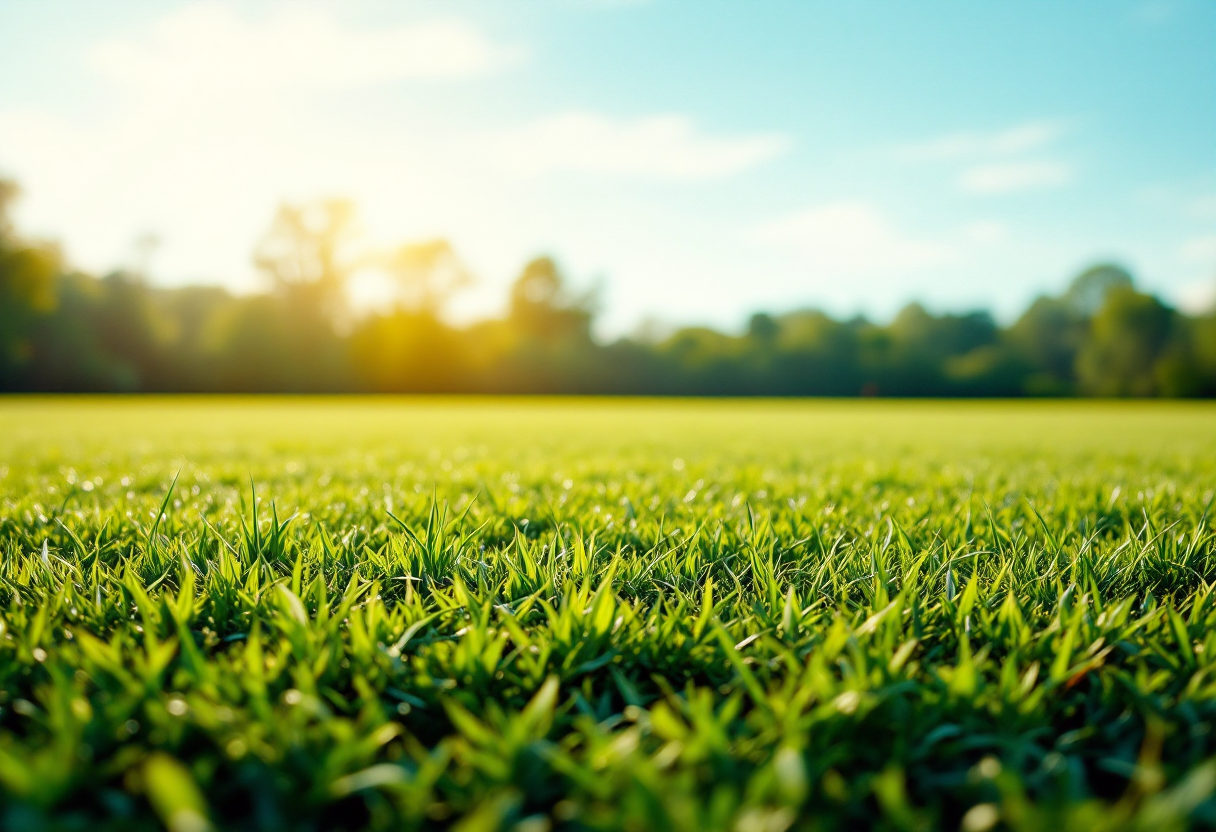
[(546, 615)]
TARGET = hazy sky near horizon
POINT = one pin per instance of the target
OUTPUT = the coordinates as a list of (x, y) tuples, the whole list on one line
[(700, 160)]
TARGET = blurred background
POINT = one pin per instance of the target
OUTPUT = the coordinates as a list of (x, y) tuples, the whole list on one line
[(604, 196)]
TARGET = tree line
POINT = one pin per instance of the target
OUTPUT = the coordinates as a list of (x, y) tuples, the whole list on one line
[(62, 330)]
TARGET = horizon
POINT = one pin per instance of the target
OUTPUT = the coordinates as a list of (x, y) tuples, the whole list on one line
[(776, 159)]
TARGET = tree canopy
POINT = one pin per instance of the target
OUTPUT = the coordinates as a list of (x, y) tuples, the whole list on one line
[(63, 330)]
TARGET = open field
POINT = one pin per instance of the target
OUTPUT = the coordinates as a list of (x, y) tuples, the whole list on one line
[(533, 615)]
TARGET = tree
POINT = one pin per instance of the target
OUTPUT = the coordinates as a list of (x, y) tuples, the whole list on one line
[(542, 307), (763, 329), (817, 355), (28, 282), (1089, 289), (427, 275), (1048, 337), (1129, 337), (920, 343), (1202, 332), (308, 252)]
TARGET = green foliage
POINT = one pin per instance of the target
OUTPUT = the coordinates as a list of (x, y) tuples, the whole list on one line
[(28, 273), (71, 332), (338, 614), (1128, 350)]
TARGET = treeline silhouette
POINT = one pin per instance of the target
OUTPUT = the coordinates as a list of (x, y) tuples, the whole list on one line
[(63, 330)]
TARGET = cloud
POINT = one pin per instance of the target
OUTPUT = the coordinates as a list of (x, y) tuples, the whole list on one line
[(850, 238), (1200, 250), (1013, 177), (207, 49), (665, 146), (999, 162), (1022, 138), (213, 114)]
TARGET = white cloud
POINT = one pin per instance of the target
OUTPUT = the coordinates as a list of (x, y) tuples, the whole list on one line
[(207, 49), (1012, 177), (1022, 138), (850, 238), (211, 117), (999, 162), (666, 146), (1200, 250)]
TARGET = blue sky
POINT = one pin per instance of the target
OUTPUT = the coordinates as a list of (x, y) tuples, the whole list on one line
[(698, 160)]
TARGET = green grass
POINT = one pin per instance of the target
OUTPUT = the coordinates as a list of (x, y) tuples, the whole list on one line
[(538, 615)]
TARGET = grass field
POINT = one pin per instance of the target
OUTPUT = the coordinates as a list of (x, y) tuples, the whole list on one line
[(540, 615)]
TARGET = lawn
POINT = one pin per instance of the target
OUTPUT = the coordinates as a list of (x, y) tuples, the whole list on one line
[(296, 613)]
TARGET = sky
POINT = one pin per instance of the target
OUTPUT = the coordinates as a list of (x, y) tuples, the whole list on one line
[(696, 161)]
